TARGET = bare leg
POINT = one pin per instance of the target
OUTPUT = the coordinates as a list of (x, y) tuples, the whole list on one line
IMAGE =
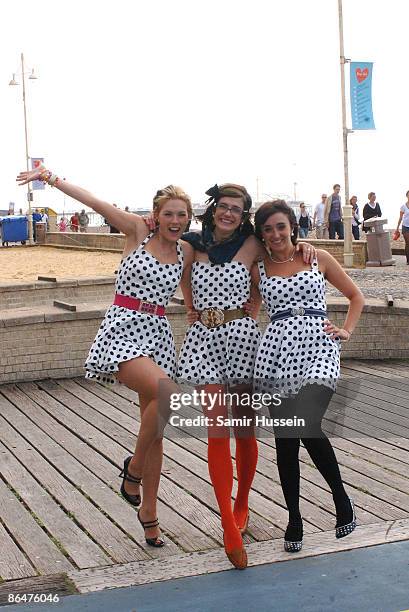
[(145, 377)]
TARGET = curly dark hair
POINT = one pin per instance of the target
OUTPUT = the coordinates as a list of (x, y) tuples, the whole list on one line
[(233, 191), (270, 208)]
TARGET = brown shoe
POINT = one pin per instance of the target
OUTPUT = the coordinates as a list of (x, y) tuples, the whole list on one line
[(237, 557)]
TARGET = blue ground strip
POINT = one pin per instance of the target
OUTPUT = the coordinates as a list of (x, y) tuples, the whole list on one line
[(374, 579)]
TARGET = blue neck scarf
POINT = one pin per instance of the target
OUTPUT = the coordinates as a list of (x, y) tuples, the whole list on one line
[(218, 252)]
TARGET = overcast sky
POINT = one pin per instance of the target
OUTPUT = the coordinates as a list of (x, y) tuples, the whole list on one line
[(134, 95)]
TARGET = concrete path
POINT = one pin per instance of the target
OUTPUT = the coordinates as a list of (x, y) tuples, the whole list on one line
[(374, 579)]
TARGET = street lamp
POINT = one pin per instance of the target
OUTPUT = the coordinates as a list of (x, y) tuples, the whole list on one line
[(13, 82)]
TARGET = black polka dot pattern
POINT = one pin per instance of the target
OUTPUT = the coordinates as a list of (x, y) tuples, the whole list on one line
[(296, 351), (225, 353), (126, 334)]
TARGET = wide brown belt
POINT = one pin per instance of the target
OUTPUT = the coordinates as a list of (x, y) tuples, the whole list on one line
[(214, 317)]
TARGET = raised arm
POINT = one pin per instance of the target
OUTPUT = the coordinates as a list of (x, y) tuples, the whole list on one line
[(126, 223)]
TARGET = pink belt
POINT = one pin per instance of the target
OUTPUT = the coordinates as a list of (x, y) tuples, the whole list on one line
[(140, 305)]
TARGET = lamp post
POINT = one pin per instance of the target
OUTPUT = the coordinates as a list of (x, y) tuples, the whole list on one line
[(347, 208), (13, 82)]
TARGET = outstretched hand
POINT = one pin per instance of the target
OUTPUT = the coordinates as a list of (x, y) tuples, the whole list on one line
[(33, 175)]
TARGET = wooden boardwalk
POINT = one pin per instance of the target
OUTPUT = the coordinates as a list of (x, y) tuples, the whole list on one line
[(62, 444)]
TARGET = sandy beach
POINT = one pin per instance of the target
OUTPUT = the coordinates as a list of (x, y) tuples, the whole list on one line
[(27, 263)]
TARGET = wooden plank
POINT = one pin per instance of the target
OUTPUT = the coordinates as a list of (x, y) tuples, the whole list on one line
[(259, 503), (364, 450), (80, 548), (260, 553), (39, 548), (371, 507), (370, 369), (56, 584), (184, 476), (174, 496), (13, 563), (178, 529), (187, 477), (394, 402), (111, 539), (109, 502), (386, 429)]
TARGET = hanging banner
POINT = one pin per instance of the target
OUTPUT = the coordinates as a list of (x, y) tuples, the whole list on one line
[(35, 162), (361, 95)]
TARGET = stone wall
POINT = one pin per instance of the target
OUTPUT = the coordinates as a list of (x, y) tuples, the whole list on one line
[(49, 342), (95, 241), (336, 248), (115, 242), (37, 293)]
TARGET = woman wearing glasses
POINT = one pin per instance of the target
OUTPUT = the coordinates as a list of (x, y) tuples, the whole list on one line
[(220, 347)]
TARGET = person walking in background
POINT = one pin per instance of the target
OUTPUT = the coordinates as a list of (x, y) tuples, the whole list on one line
[(355, 217), (37, 218), (44, 219), (83, 221), (404, 219), (298, 358), (63, 224), (304, 221), (333, 214), (321, 229), (371, 209), (74, 222)]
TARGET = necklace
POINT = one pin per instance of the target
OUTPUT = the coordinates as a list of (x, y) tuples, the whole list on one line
[(284, 260)]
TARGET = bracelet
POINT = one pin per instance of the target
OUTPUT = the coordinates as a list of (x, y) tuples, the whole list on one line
[(48, 177), (349, 335)]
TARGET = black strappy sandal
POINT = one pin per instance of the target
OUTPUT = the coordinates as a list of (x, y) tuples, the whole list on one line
[(135, 500), (155, 542)]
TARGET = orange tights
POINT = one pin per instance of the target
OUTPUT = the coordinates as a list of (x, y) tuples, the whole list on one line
[(221, 475)]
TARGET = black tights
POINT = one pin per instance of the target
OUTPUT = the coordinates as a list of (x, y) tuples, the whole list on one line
[(310, 404)]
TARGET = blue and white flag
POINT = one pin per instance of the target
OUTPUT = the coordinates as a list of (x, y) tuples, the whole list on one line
[(35, 162), (361, 95)]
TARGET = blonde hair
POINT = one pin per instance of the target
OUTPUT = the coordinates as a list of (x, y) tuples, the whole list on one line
[(171, 192)]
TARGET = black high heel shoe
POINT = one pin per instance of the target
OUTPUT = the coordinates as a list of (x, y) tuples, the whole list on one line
[(344, 530), (155, 542), (135, 500), (293, 537)]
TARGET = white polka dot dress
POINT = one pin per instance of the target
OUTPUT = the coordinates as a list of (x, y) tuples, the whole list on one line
[(225, 354), (125, 334), (295, 351)]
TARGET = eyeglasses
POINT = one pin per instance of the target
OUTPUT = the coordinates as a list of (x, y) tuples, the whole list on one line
[(236, 211)]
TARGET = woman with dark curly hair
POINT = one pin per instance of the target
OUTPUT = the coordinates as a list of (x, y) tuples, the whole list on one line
[(298, 357)]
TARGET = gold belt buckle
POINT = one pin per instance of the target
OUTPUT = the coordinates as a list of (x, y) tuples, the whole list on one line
[(212, 317)]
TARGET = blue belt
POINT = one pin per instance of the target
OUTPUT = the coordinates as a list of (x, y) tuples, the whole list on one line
[(298, 311)]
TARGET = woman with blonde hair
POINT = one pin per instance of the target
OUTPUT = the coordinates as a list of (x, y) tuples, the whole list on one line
[(134, 343)]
